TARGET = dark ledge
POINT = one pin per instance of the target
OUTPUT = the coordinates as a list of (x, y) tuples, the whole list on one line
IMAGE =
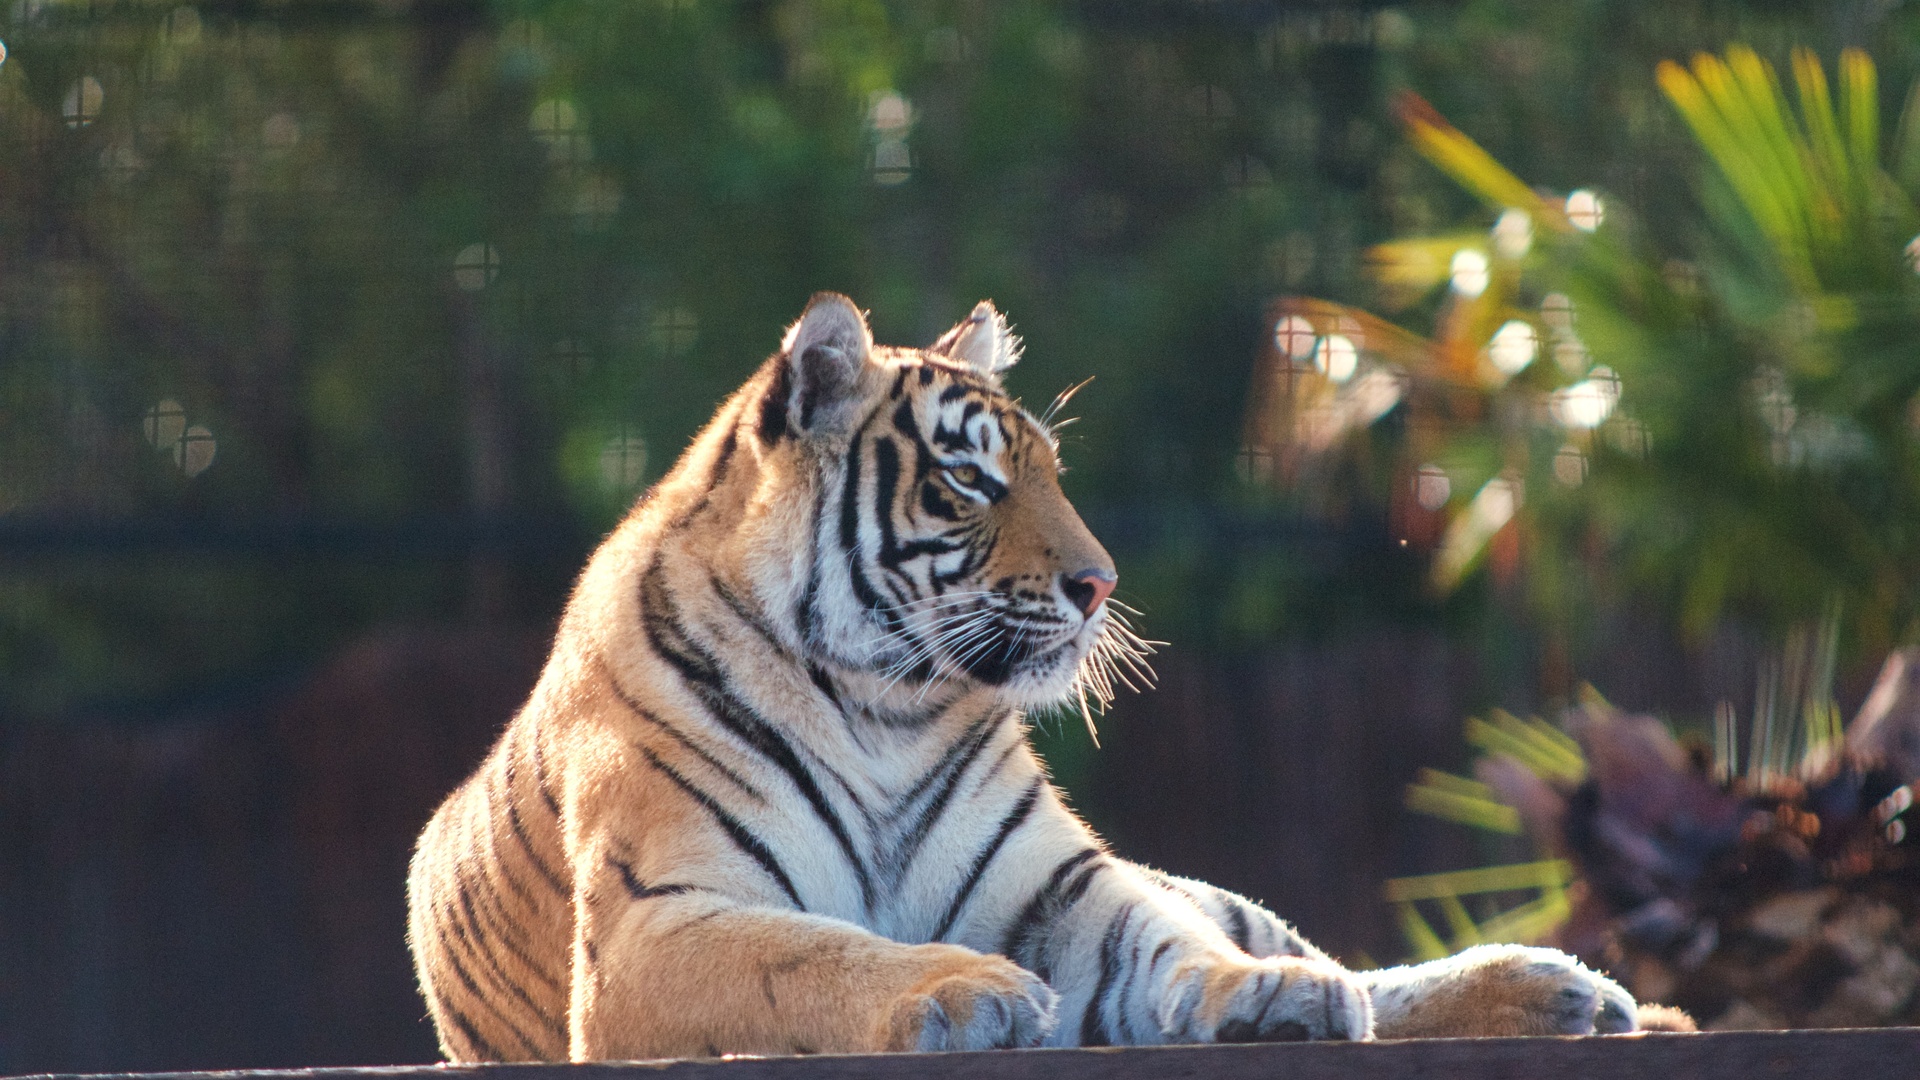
[(1757, 1055)]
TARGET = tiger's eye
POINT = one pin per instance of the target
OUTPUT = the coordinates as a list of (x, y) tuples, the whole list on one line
[(969, 475)]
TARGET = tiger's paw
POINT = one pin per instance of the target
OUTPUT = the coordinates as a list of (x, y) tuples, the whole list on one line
[(1282, 999), (1494, 990), (989, 1003)]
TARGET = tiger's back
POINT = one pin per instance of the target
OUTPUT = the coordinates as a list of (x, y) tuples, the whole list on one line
[(491, 913)]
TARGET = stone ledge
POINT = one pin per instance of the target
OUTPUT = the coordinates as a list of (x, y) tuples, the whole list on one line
[(1877, 1054)]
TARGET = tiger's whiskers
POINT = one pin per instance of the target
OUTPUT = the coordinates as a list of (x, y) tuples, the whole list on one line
[(1118, 658)]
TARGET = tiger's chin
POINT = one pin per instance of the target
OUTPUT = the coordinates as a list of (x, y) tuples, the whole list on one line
[(1048, 679)]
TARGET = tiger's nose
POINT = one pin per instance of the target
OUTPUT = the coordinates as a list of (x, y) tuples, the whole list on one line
[(1088, 589)]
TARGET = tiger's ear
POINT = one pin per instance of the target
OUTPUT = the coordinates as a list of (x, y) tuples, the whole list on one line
[(982, 341), (824, 353)]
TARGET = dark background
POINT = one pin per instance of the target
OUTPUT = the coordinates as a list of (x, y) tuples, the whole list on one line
[(445, 283)]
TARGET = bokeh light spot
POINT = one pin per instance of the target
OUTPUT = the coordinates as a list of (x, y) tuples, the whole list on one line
[(195, 450), (1431, 487), (552, 118), (1513, 234), (674, 330), (1571, 356), (1393, 29), (1585, 405), (83, 101), (1570, 465), (1774, 399), (623, 462), (1337, 358), (1294, 337), (121, 162), (556, 124), (1556, 310), (1246, 173), (892, 162), (1629, 436), (164, 423), (596, 203), (890, 114), (1585, 210), (1513, 347), (1468, 273), (475, 267), (1608, 381)]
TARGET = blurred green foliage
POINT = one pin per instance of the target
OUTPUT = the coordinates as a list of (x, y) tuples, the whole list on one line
[(1722, 421), (446, 282)]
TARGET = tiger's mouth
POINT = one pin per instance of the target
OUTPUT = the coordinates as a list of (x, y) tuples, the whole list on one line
[(1036, 658), (995, 641), (1014, 648)]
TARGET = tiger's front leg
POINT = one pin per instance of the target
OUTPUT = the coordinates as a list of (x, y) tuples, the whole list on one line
[(1488, 990), (1135, 964), (667, 970)]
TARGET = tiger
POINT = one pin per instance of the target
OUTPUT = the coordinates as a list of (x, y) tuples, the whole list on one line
[(773, 793)]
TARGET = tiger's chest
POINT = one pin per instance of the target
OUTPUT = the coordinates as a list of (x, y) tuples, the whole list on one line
[(882, 838)]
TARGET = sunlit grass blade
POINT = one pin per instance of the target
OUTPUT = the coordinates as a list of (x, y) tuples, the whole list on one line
[(1906, 145), (1543, 874), (1829, 151), (1425, 943), (1787, 154), (1418, 264), (1860, 105), (1463, 801), (1543, 749), (1526, 922), (1472, 167), (1531, 921), (1459, 923), (1713, 105)]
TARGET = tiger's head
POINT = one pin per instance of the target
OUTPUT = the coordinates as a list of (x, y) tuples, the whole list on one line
[(940, 551)]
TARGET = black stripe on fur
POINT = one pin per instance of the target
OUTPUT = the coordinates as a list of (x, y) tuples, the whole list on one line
[(738, 833), (772, 426), (506, 931), (694, 748), (540, 777), (483, 837), (452, 957), (704, 675), (863, 589), (471, 933), (640, 891), (745, 612), (716, 474), (1021, 811), (1049, 902), (1237, 926), (1094, 1029), (970, 746), (477, 1045), (519, 829)]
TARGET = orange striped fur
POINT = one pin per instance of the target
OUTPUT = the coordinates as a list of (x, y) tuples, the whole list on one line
[(772, 793)]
